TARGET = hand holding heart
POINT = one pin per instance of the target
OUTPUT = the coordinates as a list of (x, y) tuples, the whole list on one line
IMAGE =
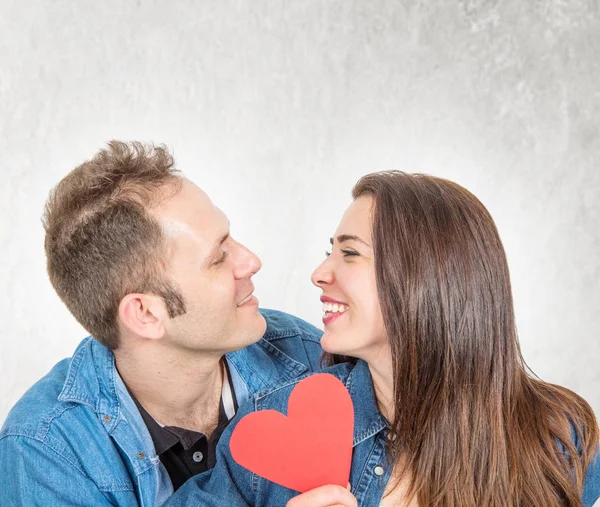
[(311, 447), (325, 496)]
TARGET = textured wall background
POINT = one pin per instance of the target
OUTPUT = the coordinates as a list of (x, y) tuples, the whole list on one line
[(276, 109)]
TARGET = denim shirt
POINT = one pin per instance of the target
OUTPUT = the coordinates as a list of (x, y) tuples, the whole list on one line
[(229, 484), (77, 438)]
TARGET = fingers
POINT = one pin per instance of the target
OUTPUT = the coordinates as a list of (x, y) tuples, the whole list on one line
[(325, 496)]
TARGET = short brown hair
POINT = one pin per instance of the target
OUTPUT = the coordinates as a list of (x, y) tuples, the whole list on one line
[(102, 243)]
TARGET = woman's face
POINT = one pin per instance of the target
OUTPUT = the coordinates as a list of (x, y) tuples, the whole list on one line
[(351, 311)]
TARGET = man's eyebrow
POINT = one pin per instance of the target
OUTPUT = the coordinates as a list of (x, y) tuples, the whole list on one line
[(349, 237), (220, 241)]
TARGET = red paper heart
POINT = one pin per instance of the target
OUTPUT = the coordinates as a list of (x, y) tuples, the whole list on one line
[(310, 447)]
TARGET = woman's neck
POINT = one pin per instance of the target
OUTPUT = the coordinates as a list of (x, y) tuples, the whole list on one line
[(383, 383)]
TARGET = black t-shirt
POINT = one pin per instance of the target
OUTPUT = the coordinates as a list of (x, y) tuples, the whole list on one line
[(185, 453)]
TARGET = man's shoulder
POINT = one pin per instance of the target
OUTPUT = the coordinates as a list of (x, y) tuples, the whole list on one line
[(40, 402), (66, 441), (42, 425), (296, 338), (61, 426), (289, 348), (40, 410), (280, 393), (283, 325)]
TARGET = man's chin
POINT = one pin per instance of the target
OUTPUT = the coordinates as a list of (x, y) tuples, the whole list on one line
[(261, 326), (252, 328)]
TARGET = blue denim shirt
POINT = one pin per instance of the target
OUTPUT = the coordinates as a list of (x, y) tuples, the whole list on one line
[(77, 438), (229, 484)]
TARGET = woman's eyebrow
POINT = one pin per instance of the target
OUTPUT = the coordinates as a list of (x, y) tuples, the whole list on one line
[(349, 237)]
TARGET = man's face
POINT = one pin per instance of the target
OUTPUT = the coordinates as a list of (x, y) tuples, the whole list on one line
[(213, 273)]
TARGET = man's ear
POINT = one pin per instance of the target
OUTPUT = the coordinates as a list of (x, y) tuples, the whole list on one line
[(143, 315)]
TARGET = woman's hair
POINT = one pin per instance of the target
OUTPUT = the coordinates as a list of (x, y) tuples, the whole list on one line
[(473, 428)]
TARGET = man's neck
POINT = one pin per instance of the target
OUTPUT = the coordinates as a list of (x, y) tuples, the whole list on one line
[(174, 391)]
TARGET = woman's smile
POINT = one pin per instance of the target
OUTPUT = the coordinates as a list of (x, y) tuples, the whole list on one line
[(332, 309)]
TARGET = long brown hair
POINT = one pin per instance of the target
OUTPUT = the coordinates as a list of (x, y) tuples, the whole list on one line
[(472, 426)]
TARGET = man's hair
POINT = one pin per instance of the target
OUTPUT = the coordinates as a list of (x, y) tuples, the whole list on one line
[(101, 241)]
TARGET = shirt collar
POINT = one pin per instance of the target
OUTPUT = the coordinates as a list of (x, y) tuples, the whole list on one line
[(93, 380), (262, 365), (368, 421), (165, 437)]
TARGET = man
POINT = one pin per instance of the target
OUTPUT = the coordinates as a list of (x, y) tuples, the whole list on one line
[(145, 262)]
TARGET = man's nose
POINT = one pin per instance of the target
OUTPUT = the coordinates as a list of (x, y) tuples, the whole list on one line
[(247, 263)]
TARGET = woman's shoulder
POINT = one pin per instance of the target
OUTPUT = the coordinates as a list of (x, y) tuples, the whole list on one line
[(591, 478), (591, 483)]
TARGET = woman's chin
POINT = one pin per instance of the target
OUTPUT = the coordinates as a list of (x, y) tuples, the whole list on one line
[(328, 343), (332, 343)]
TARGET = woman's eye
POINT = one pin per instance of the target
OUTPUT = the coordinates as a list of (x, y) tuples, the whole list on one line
[(347, 253), (221, 259)]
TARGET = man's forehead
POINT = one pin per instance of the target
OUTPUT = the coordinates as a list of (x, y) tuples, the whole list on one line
[(188, 196), (190, 214), (173, 227), (202, 230)]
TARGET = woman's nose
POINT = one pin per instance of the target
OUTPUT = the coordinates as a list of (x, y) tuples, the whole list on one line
[(323, 275)]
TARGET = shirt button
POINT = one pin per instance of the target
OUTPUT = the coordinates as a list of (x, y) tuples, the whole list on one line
[(107, 419), (378, 470), (197, 456), (141, 455)]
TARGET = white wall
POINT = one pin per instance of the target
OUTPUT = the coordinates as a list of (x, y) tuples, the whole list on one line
[(277, 107)]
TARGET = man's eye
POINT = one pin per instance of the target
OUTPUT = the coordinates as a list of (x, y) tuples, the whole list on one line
[(221, 259)]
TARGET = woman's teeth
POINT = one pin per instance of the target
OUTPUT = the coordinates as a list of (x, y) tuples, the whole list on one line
[(334, 307)]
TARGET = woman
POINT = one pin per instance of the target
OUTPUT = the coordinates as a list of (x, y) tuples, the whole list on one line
[(419, 325)]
